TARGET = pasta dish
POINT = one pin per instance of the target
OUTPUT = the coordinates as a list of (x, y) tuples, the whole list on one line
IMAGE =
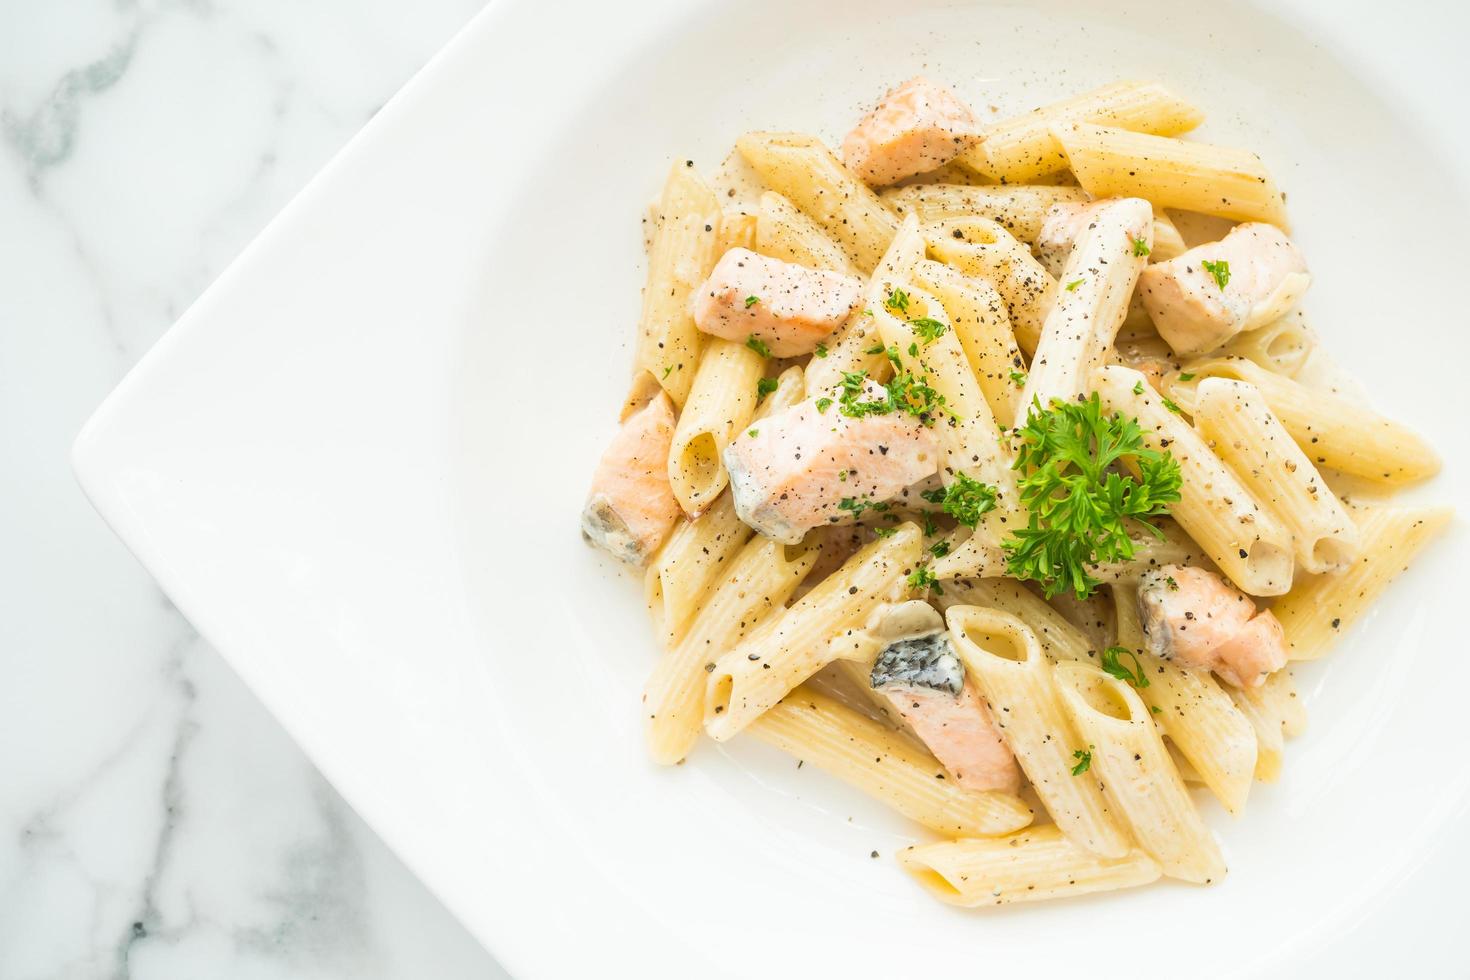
[(995, 470)]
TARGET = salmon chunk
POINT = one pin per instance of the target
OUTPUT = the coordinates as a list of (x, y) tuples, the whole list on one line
[(919, 126), (924, 680), (1212, 292), (788, 307), (812, 465), (631, 507), (1193, 616)]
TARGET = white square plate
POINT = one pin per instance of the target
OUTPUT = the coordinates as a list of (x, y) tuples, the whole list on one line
[(356, 465)]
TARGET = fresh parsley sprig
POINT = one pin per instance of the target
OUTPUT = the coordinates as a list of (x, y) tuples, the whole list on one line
[(1112, 662), (966, 499), (1080, 498)]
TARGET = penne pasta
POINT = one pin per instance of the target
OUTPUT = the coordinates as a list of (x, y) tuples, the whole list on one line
[(680, 576), (886, 765), (978, 316), (1247, 543), (1095, 289), (1281, 347), (1025, 147), (1190, 707), (1320, 609), (1168, 242), (1059, 639), (1335, 432), (981, 248), (811, 177), (754, 675), (1035, 865), (1004, 657), (1172, 173), (720, 403), (759, 580), (1018, 208), (1239, 427), (784, 233), (1137, 774), (680, 257)]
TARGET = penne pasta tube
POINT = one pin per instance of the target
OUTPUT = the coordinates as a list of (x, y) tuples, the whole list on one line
[(886, 765), (680, 576), (754, 675), (720, 404), (1320, 609), (1270, 739), (680, 256), (1037, 864), (1059, 639), (784, 233), (1276, 699), (1247, 543), (1137, 774), (1004, 657), (1018, 208), (1095, 289), (811, 177), (1168, 242), (1335, 432), (759, 580), (1281, 347), (981, 248), (1190, 707), (1024, 147), (1239, 427), (1172, 173), (978, 315)]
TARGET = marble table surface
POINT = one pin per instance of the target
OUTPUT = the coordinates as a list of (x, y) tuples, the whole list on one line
[(155, 821)]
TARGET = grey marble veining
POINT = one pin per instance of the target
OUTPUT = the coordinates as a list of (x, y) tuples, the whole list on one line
[(155, 821)]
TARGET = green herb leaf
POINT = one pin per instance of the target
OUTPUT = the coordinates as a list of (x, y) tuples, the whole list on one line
[(928, 329), (1171, 406), (753, 433), (1072, 286), (757, 345), (884, 532), (1018, 378), (1113, 664), (1081, 500), (764, 387), (1185, 376), (923, 578), (939, 549), (823, 404), (897, 301), (667, 370), (967, 500), (821, 350), (1140, 247), (1219, 270), (751, 301), (1138, 387), (1084, 761)]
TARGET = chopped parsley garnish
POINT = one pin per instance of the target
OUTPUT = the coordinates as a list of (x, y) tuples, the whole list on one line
[(1155, 709), (1080, 499), (939, 549), (668, 370), (757, 345), (1219, 270), (885, 532), (821, 350), (1113, 664), (1185, 376), (1018, 378), (930, 528), (897, 301), (928, 328), (1138, 387), (753, 433), (1173, 585), (923, 578), (856, 506), (751, 301), (966, 499), (1072, 286), (764, 387), (913, 350), (1140, 247), (1084, 761), (1171, 406), (905, 393), (823, 404)]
